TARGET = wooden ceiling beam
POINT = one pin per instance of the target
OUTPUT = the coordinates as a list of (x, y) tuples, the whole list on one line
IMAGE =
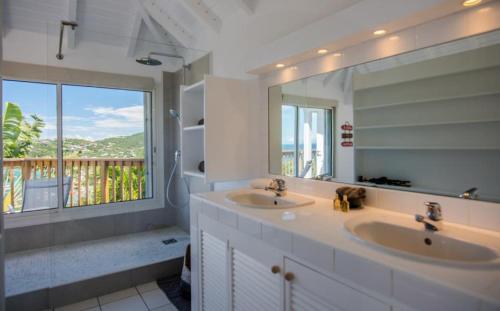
[(150, 9), (71, 15), (246, 5), (203, 13), (134, 34)]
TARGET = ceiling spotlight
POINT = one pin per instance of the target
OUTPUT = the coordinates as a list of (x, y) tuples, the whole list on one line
[(393, 38), (337, 54), (380, 32), (280, 65), (322, 51), (468, 3)]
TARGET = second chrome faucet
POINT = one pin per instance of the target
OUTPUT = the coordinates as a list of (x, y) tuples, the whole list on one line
[(434, 217)]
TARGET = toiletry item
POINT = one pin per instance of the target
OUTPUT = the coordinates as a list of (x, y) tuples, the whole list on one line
[(336, 202), (201, 122), (344, 205), (355, 196), (201, 166)]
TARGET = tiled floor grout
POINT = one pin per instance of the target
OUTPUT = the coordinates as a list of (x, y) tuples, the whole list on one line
[(138, 292)]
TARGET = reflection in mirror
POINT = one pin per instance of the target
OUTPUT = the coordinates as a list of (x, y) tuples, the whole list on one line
[(424, 121)]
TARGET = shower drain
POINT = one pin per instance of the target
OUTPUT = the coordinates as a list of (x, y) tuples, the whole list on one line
[(169, 241)]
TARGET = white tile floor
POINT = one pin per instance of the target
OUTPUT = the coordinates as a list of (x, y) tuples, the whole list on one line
[(145, 297)]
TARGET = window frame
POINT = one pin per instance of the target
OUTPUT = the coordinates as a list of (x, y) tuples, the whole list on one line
[(13, 220), (330, 120)]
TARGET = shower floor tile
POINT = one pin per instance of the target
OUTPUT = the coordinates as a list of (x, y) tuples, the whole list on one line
[(31, 270)]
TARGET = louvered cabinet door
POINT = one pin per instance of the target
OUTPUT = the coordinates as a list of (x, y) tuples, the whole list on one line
[(254, 286), (214, 278), (309, 290)]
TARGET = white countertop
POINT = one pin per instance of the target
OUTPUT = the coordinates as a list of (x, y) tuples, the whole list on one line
[(319, 222)]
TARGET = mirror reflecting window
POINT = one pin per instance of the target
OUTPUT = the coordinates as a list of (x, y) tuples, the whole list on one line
[(424, 121)]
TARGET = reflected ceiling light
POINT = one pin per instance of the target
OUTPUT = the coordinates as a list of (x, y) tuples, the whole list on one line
[(294, 68), (322, 51), (280, 65), (380, 32), (468, 3), (393, 38), (337, 54)]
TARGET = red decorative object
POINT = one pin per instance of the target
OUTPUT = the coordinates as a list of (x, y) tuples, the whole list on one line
[(347, 135)]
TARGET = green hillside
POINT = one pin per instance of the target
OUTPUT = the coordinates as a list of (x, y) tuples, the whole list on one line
[(114, 147)]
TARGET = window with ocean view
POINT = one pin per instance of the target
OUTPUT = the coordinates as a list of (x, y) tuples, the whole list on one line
[(105, 136), (307, 141)]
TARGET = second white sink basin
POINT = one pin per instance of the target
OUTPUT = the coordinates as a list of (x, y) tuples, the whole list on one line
[(258, 198), (404, 236)]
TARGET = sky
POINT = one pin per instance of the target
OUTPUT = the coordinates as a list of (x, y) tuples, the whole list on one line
[(88, 112)]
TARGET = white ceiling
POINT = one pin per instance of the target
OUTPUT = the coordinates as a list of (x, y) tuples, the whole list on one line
[(112, 21), (239, 33)]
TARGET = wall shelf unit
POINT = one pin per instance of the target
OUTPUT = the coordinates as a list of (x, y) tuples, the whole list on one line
[(194, 128), (225, 105)]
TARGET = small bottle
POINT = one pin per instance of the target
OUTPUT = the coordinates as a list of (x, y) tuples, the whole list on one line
[(336, 202), (345, 204)]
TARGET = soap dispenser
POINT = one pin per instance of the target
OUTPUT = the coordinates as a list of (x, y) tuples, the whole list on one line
[(336, 202), (344, 205)]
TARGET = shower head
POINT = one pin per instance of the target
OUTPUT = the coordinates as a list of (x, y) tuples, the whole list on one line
[(175, 114), (149, 61)]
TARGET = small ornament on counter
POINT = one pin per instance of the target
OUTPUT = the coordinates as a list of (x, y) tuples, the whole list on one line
[(347, 135), (354, 196), (201, 166), (201, 122)]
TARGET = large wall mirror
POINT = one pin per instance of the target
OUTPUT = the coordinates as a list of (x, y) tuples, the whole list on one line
[(424, 121)]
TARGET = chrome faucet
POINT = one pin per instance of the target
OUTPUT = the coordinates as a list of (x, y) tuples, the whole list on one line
[(278, 186), (470, 194), (434, 216)]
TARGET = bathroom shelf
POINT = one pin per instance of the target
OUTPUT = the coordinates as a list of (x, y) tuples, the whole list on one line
[(194, 128), (426, 100), (220, 103), (198, 87), (361, 128), (422, 148), (194, 174)]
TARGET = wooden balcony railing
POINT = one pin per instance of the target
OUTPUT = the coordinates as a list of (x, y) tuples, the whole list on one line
[(93, 181)]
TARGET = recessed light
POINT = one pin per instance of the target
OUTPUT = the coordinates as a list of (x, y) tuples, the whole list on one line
[(294, 68), (468, 3), (393, 38), (322, 51), (280, 65), (380, 32), (337, 54)]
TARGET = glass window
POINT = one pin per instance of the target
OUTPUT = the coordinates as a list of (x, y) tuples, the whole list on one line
[(29, 148), (106, 136), (106, 146)]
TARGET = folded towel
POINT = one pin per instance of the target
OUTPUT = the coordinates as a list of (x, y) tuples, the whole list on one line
[(260, 183)]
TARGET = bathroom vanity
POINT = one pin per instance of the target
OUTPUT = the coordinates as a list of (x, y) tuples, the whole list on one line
[(310, 257)]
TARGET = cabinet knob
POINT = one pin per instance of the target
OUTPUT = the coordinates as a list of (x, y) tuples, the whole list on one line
[(275, 269), (289, 276)]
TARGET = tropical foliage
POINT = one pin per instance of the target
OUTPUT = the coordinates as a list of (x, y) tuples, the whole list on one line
[(18, 134)]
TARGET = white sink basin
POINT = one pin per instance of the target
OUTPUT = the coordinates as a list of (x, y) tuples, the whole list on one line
[(404, 236), (258, 198)]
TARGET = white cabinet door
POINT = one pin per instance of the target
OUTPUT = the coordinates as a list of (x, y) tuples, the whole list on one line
[(213, 273), (256, 277), (308, 290)]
